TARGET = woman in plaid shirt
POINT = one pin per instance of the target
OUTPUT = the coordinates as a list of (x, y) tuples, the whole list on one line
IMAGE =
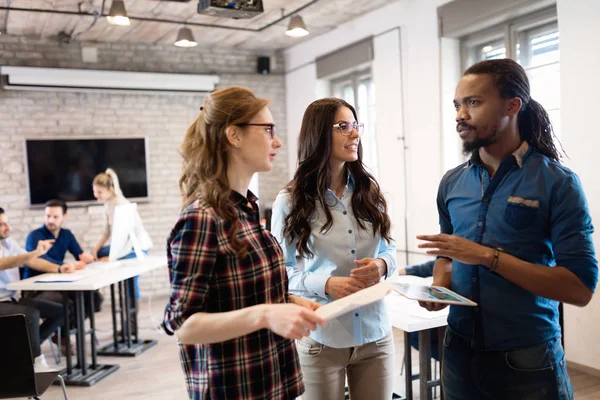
[(229, 303)]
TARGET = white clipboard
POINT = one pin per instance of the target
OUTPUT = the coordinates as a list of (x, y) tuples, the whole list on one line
[(354, 301)]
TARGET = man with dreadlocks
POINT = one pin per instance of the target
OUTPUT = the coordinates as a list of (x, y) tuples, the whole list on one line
[(516, 238)]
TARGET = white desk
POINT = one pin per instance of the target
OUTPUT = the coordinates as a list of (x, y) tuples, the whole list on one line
[(409, 316), (94, 278), (84, 374)]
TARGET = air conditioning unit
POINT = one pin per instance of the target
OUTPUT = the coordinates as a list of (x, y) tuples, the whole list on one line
[(60, 79)]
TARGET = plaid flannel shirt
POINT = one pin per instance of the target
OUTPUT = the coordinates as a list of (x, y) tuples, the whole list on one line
[(207, 276)]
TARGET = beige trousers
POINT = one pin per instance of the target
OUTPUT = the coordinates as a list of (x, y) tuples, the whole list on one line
[(370, 370)]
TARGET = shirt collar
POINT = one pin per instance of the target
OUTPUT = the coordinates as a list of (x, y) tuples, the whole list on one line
[(520, 155), (240, 201), (350, 185), (50, 234)]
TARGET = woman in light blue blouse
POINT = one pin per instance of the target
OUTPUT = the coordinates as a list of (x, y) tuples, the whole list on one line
[(334, 216)]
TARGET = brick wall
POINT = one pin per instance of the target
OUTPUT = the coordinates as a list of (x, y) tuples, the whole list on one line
[(163, 118)]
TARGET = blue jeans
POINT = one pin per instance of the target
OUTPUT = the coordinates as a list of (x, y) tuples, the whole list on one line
[(533, 373), (105, 251)]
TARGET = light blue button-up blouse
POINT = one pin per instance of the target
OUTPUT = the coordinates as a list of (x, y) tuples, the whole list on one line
[(334, 254)]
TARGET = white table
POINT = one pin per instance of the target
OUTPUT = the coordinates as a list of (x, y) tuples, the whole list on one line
[(409, 316), (84, 374)]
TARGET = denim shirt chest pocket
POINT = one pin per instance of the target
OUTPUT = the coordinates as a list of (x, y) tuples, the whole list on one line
[(522, 213)]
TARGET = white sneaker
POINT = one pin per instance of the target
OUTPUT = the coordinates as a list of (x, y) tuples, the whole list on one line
[(40, 364)]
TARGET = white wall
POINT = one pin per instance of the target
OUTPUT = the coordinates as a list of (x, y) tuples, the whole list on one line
[(580, 86), (407, 84)]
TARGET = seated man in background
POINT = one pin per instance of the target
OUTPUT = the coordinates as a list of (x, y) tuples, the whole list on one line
[(424, 270), (55, 216), (11, 257)]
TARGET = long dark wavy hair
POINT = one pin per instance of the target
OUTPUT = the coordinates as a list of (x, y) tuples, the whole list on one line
[(534, 123), (313, 178)]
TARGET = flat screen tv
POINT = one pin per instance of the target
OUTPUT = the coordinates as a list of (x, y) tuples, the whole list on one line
[(65, 168)]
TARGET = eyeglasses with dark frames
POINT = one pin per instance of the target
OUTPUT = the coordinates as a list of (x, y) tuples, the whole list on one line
[(346, 128), (269, 128)]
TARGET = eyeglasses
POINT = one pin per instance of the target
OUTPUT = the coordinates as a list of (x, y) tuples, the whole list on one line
[(346, 128), (269, 128)]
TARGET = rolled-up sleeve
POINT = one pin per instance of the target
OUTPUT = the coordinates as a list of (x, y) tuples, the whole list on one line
[(192, 249), (300, 282), (387, 252), (443, 213), (572, 232)]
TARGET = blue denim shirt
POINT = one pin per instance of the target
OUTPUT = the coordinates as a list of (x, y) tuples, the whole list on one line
[(335, 252), (534, 209)]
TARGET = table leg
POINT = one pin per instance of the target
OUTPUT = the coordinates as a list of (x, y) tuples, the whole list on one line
[(84, 374), (80, 311), (441, 334), (92, 329), (128, 344), (408, 366), (113, 308), (425, 363), (67, 332)]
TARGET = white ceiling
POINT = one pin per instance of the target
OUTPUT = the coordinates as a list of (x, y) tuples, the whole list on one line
[(319, 17)]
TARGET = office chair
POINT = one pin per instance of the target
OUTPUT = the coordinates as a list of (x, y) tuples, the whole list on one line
[(17, 376)]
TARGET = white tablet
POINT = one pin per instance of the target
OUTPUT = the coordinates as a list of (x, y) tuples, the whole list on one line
[(432, 294)]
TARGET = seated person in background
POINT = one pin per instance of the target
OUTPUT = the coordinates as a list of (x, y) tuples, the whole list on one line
[(54, 218), (424, 270), (11, 257), (108, 191)]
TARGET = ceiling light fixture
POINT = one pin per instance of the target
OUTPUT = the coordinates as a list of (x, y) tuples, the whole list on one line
[(117, 14), (185, 38), (296, 28)]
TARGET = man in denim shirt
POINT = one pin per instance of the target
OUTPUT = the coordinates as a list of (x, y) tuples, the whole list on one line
[(516, 238)]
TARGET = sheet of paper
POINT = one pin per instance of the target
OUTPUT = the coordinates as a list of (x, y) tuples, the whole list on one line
[(59, 278), (354, 301)]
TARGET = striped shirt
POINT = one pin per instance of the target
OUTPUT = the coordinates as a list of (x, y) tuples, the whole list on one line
[(207, 276)]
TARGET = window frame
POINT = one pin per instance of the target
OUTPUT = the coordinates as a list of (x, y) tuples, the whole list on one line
[(354, 78), (508, 31)]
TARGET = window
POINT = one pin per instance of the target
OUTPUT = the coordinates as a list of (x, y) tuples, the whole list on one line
[(358, 89), (534, 42)]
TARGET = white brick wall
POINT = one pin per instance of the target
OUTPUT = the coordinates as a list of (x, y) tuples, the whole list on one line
[(163, 118)]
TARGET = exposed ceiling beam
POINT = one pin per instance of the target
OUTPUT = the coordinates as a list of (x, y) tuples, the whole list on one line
[(166, 21)]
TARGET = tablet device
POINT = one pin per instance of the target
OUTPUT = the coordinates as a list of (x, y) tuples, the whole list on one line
[(432, 294)]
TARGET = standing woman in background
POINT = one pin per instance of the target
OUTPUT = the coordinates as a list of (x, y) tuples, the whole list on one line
[(107, 190), (229, 303), (333, 214)]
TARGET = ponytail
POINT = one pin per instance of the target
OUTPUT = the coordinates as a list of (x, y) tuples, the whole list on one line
[(108, 180), (115, 181), (536, 128)]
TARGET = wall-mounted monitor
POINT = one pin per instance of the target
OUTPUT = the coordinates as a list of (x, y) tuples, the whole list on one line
[(65, 168)]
